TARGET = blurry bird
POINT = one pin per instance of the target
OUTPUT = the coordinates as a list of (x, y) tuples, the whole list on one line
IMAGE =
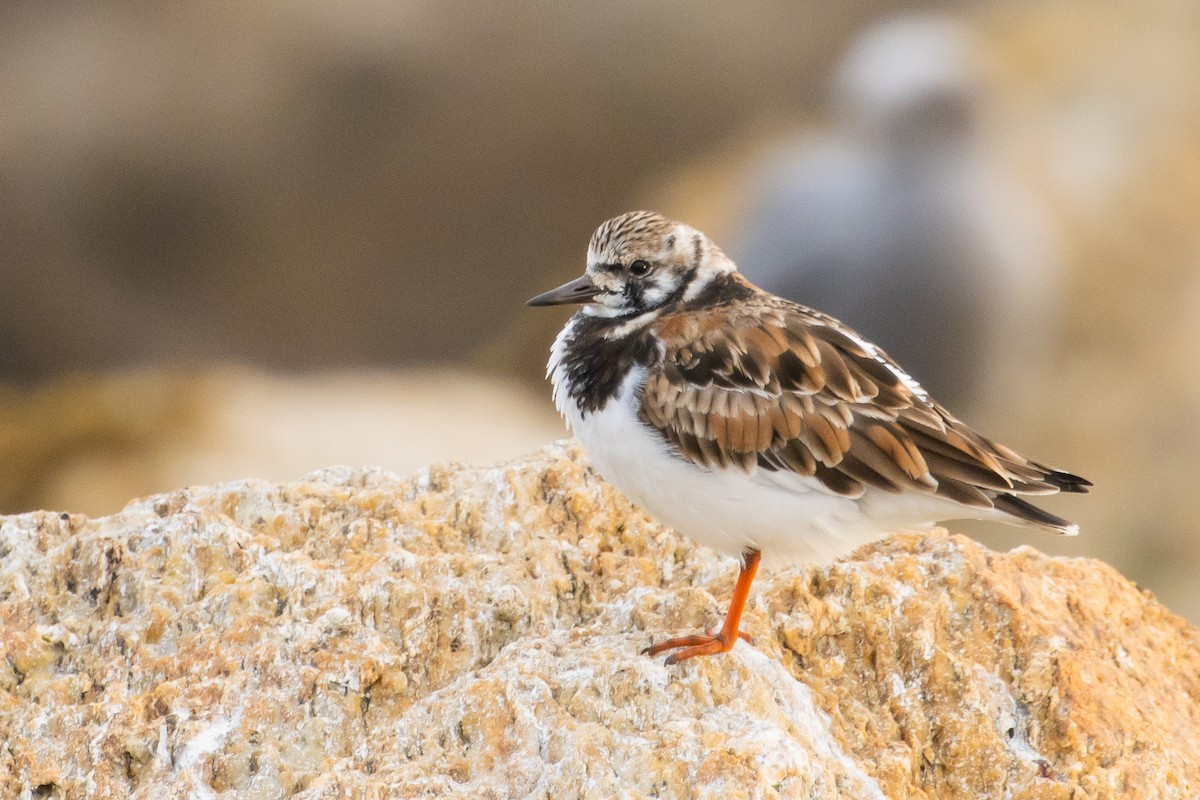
[(756, 425), (900, 220)]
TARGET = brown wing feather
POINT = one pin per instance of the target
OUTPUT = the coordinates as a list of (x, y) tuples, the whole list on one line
[(771, 385)]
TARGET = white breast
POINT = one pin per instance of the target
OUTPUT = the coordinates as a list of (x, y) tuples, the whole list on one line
[(790, 518)]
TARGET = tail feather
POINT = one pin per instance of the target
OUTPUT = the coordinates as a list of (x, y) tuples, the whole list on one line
[(1010, 504), (1065, 481)]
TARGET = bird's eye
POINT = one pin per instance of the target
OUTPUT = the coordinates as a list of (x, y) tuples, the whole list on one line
[(639, 267)]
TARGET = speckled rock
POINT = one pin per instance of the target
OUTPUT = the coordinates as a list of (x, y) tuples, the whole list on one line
[(475, 633)]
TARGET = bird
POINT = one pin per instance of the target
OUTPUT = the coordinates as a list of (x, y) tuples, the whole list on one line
[(757, 426)]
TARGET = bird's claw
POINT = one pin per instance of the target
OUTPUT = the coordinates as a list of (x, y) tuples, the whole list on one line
[(707, 644)]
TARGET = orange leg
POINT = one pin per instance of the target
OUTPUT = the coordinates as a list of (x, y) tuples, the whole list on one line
[(722, 641)]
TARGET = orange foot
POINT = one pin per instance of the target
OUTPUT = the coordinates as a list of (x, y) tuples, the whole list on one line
[(723, 640), (708, 644)]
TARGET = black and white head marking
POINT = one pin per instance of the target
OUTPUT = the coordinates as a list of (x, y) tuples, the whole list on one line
[(642, 261)]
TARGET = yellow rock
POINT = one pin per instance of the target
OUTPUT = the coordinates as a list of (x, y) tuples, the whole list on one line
[(475, 633)]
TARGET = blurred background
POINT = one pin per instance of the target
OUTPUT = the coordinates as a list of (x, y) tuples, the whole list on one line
[(250, 240)]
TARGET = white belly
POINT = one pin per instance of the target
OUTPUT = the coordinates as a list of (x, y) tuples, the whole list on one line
[(790, 518)]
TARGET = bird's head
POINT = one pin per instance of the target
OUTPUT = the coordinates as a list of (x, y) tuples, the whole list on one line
[(639, 262)]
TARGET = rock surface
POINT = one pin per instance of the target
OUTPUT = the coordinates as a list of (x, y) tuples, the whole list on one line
[(474, 633)]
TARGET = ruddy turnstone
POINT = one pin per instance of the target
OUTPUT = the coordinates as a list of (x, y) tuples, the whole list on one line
[(757, 426)]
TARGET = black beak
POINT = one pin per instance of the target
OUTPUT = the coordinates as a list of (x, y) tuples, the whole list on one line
[(579, 290)]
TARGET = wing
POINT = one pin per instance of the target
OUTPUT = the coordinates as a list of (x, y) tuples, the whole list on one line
[(771, 385)]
